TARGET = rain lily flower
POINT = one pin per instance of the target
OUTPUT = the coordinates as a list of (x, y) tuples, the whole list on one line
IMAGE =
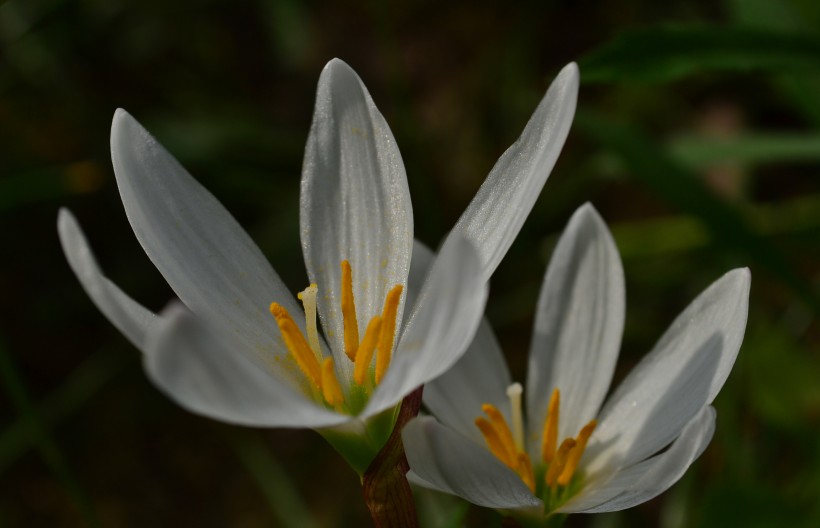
[(569, 453), (239, 347)]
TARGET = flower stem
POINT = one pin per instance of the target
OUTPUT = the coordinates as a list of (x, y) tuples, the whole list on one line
[(386, 490)]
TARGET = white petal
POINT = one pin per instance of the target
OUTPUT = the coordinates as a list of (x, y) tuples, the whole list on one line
[(130, 318), (496, 214), (201, 372), (203, 253), (455, 464), (355, 204), (648, 479), (441, 327), (423, 258), (480, 376), (578, 325), (684, 372)]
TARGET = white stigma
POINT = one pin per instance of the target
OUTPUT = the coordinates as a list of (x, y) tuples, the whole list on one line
[(514, 394), (308, 298)]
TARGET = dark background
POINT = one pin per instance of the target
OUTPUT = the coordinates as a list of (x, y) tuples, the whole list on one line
[(696, 138)]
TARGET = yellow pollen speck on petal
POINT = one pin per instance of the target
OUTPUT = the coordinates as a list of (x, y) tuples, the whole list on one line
[(297, 345), (388, 332), (331, 390), (351, 324), (495, 444), (365, 354), (558, 463), (308, 298), (549, 439), (576, 453), (502, 429), (525, 471)]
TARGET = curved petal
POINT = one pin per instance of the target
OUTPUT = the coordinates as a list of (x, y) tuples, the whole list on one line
[(455, 464), (684, 372), (355, 204), (203, 253), (496, 214), (420, 264), (480, 376), (201, 372), (578, 325), (442, 324), (130, 317), (648, 479)]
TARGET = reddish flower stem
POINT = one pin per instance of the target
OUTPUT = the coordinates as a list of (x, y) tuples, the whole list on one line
[(386, 490)]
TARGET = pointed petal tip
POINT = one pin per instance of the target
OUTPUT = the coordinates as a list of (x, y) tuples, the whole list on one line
[(336, 62), (64, 217), (123, 125), (740, 278), (337, 70), (569, 75), (120, 117), (588, 210), (589, 217), (571, 70), (68, 231)]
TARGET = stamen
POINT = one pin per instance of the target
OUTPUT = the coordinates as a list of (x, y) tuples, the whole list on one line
[(503, 431), (550, 436), (298, 347), (331, 390), (351, 325), (557, 465), (365, 354), (308, 298), (576, 453), (494, 442), (524, 470), (388, 333), (514, 394)]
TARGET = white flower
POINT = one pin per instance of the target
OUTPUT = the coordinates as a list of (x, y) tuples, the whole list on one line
[(239, 347), (571, 454)]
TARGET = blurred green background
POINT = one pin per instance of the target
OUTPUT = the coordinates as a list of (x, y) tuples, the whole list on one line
[(697, 137)]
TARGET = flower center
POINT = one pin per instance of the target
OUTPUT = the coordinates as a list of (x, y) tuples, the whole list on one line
[(320, 371), (560, 461)]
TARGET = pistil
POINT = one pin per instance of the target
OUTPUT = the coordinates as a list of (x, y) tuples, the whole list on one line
[(507, 444), (378, 340), (308, 298), (514, 394)]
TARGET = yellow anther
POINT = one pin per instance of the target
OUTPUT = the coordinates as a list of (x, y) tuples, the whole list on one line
[(365, 354), (557, 464), (388, 333), (298, 347), (331, 390), (308, 298), (502, 429), (576, 453), (351, 325), (549, 439), (524, 470), (495, 444), (514, 392)]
